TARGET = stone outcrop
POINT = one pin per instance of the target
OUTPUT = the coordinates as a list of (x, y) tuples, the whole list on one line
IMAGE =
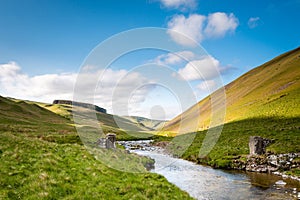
[(109, 142), (80, 104), (257, 145), (260, 161), (259, 164)]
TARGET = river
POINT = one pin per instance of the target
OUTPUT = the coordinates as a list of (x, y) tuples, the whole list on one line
[(203, 182)]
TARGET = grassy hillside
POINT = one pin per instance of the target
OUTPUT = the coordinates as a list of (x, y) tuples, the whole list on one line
[(36, 122), (126, 127), (263, 102), (233, 142), (270, 90), (42, 158), (107, 122)]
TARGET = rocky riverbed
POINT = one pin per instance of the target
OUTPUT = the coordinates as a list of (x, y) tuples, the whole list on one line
[(270, 163)]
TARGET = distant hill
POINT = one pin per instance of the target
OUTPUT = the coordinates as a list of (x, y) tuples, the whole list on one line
[(151, 124), (58, 118), (105, 119), (22, 112), (80, 104), (270, 90)]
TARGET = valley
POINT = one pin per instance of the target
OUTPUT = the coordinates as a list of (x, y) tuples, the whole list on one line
[(42, 155)]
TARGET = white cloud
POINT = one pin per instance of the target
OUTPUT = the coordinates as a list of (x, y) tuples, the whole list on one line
[(126, 93), (174, 58), (253, 22), (207, 86), (187, 31), (15, 83), (220, 23), (203, 69), (182, 5), (114, 87)]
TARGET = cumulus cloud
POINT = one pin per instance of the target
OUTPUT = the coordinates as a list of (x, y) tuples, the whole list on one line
[(253, 22), (187, 31), (220, 23), (15, 83), (182, 5), (207, 86), (174, 58), (114, 85), (205, 68), (128, 92)]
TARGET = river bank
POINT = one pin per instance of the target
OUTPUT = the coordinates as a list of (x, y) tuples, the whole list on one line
[(278, 164), (285, 165), (204, 182)]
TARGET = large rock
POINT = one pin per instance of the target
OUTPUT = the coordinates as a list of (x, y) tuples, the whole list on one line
[(110, 141), (257, 145)]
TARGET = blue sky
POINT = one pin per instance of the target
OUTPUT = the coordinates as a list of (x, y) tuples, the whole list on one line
[(46, 42)]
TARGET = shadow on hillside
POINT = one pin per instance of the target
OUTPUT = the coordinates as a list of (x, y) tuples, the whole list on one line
[(234, 139)]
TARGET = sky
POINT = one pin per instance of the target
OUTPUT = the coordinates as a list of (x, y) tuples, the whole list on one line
[(45, 45)]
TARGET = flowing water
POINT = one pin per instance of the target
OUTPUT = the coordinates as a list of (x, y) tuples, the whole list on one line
[(203, 182)]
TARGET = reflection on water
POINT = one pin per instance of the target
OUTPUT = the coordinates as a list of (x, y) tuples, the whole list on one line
[(264, 181), (204, 182)]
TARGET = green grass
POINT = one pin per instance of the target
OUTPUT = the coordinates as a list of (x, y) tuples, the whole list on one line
[(36, 169), (233, 141), (293, 172), (42, 157)]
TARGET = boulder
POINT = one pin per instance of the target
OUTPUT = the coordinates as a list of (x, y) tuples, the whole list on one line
[(257, 145), (110, 141)]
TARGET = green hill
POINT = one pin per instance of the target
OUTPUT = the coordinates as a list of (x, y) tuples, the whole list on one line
[(105, 120), (21, 117), (43, 158), (125, 128), (263, 102), (270, 90)]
